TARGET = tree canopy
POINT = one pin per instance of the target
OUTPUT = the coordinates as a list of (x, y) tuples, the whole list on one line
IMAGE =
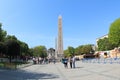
[(13, 48), (70, 51), (2, 34), (40, 51), (83, 49), (114, 33), (3, 48), (104, 44), (10, 40), (24, 49)]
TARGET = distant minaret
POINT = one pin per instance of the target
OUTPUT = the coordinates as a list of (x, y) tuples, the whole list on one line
[(60, 37)]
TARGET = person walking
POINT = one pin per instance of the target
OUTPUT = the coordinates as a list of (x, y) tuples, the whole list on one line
[(70, 61), (65, 62), (73, 61)]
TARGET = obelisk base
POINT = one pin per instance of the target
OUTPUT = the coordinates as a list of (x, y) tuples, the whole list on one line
[(60, 56)]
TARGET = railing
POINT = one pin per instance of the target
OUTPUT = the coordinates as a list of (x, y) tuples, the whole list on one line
[(102, 60)]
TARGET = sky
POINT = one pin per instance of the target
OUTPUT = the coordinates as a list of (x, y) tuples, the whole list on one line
[(35, 22)]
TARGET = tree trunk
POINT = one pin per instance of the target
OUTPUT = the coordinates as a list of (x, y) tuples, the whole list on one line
[(10, 59)]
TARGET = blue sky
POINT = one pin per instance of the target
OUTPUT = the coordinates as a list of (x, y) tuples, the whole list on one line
[(36, 21)]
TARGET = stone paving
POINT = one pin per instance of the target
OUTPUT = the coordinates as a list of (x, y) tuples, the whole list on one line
[(83, 71)]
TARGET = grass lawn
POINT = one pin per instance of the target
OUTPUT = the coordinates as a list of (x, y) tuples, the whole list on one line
[(1, 64), (12, 65)]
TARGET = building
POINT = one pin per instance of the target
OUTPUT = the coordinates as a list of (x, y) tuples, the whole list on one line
[(102, 37)]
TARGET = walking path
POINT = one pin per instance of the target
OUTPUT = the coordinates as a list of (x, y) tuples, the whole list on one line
[(83, 71)]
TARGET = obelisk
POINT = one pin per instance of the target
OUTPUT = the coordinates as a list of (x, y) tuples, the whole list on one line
[(60, 38)]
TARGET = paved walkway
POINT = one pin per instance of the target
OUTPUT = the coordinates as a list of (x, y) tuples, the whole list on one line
[(83, 71)]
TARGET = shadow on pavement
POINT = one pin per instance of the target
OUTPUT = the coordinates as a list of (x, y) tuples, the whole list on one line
[(24, 75), (78, 67)]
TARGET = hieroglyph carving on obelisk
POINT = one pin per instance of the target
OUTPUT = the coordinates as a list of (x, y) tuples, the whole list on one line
[(60, 37)]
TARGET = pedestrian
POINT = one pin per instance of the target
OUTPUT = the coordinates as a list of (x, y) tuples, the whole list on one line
[(34, 60), (65, 62), (70, 61), (73, 61), (54, 60)]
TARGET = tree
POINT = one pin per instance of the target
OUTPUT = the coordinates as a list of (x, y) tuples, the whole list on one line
[(66, 52), (114, 33), (3, 49), (31, 52), (11, 37), (40, 51), (11, 44), (24, 49), (13, 48), (71, 50), (2, 34), (104, 44), (84, 49), (78, 50)]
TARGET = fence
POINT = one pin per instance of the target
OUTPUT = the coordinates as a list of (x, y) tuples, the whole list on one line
[(102, 60)]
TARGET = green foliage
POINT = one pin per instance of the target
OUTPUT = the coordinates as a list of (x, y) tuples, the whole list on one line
[(40, 51), (70, 51), (104, 44), (12, 41), (24, 49), (13, 48), (78, 50), (31, 52), (2, 34), (66, 53), (9, 37), (3, 48), (87, 49), (83, 49), (114, 33)]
